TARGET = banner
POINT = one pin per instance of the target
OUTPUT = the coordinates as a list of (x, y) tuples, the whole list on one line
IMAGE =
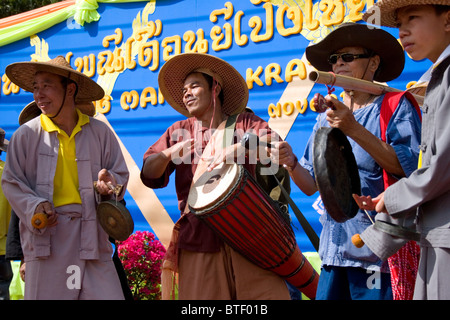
[(123, 44)]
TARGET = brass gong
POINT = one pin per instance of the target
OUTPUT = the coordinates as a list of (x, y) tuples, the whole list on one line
[(115, 219)]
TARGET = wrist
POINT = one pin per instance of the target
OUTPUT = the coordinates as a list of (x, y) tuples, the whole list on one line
[(294, 165)]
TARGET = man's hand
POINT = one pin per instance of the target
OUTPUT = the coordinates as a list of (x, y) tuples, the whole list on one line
[(231, 154), (47, 208), (105, 183), (281, 153)]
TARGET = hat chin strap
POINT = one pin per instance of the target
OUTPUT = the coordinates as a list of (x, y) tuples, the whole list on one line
[(62, 104), (352, 92)]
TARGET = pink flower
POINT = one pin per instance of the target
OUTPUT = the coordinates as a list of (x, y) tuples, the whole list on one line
[(141, 255)]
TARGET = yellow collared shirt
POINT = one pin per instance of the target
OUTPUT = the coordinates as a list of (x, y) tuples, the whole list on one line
[(65, 190)]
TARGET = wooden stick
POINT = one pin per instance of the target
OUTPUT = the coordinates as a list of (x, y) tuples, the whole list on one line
[(356, 239), (367, 213), (349, 83)]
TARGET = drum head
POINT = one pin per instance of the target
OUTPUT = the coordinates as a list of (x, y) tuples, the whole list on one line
[(115, 219), (212, 187), (336, 173)]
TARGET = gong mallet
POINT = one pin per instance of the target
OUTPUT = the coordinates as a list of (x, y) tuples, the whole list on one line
[(356, 238), (39, 220)]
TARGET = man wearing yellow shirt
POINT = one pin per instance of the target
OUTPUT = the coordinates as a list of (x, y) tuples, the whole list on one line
[(52, 163)]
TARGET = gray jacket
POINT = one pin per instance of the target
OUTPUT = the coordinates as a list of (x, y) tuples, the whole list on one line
[(28, 179), (425, 194), (428, 188)]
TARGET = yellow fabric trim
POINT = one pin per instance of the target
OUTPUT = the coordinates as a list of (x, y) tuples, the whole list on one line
[(420, 160)]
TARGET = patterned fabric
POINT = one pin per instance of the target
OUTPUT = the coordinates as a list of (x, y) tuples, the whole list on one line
[(403, 266)]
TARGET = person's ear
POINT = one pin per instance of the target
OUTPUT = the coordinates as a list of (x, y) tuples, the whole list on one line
[(447, 21), (71, 89), (218, 88), (374, 63)]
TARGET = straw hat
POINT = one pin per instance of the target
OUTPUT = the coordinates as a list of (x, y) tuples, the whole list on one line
[(385, 11), (32, 111), (22, 74), (173, 73), (3, 142), (360, 35)]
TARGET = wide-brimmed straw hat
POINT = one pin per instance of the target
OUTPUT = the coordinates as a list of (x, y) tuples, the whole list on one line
[(31, 111), (3, 142), (176, 69), (22, 74), (385, 11), (381, 42)]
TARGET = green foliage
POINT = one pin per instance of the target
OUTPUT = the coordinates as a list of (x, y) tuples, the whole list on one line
[(12, 7)]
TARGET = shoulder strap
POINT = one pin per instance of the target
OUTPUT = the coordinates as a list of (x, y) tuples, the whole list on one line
[(312, 235), (388, 106), (229, 130)]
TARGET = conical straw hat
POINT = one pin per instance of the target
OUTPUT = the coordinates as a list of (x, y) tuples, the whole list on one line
[(176, 69), (22, 74)]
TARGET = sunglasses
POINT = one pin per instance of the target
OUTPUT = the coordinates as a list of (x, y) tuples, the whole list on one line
[(347, 57)]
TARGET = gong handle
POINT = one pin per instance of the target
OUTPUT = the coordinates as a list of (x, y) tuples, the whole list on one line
[(117, 189)]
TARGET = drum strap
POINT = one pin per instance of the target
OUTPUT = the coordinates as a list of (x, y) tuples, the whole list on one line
[(229, 130), (312, 235)]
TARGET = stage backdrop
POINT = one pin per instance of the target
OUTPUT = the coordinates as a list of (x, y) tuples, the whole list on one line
[(122, 45)]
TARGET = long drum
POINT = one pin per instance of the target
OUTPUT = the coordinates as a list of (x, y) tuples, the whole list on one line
[(231, 202)]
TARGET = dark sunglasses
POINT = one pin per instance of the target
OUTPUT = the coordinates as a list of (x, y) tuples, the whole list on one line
[(347, 57)]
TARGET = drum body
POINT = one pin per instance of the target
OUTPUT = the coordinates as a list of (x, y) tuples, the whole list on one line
[(230, 201)]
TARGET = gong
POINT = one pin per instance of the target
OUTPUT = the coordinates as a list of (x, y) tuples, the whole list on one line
[(115, 219), (336, 173)]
